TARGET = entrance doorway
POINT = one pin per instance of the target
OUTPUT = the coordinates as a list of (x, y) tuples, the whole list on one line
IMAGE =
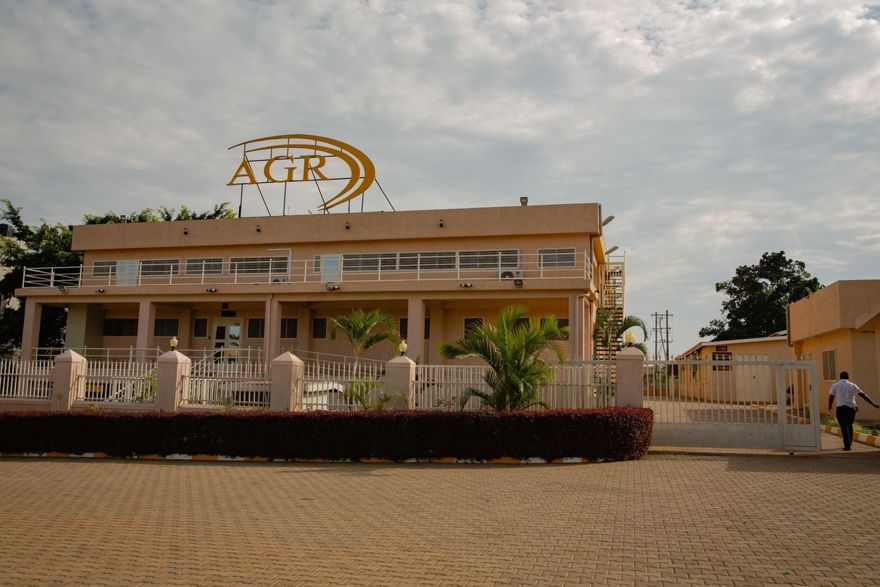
[(227, 341)]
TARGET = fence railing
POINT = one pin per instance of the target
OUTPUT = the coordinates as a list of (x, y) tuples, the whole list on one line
[(330, 385), (240, 384), (25, 379), (130, 354), (118, 382)]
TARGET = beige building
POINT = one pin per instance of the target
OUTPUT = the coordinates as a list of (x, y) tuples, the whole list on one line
[(266, 284), (773, 347), (838, 327)]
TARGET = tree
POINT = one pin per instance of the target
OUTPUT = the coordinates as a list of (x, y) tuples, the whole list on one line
[(361, 328), (757, 297), (608, 332), (512, 348), (48, 245)]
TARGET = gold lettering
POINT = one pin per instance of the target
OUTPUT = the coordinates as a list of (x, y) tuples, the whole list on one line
[(244, 170), (267, 170), (307, 166)]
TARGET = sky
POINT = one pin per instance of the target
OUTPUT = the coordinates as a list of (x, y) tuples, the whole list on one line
[(712, 130)]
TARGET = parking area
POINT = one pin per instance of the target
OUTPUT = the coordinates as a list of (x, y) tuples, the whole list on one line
[(719, 520)]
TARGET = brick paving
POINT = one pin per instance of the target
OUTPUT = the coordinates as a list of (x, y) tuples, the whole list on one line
[(667, 519)]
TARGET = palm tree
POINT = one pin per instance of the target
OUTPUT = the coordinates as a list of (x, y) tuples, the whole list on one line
[(361, 329), (609, 332), (512, 349)]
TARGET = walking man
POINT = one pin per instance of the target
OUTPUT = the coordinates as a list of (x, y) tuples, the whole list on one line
[(846, 391)]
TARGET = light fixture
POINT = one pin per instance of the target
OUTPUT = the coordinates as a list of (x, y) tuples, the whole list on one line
[(211, 290), (259, 228), (611, 250), (518, 282), (62, 289), (173, 343), (401, 347), (441, 223), (466, 285), (185, 231), (607, 220), (100, 290), (348, 226), (330, 286), (524, 201)]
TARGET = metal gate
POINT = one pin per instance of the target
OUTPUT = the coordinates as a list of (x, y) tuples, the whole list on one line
[(742, 403)]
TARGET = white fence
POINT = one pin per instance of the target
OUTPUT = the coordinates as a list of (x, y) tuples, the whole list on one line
[(237, 384), (330, 385), (25, 379), (118, 382)]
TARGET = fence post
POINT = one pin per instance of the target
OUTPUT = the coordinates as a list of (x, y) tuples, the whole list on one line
[(66, 371), (172, 374), (286, 372), (630, 377), (400, 374)]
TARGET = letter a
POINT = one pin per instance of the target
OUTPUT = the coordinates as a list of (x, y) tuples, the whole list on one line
[(244, 170)]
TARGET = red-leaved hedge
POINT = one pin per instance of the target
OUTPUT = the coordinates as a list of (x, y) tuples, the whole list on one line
[(608, 433)]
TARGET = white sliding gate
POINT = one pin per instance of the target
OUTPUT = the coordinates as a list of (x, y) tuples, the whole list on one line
[(743, 403)]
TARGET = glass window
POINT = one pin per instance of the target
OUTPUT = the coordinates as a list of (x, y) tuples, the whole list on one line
[(470, 323), (319, 328), (256, 326), (165, 327), (521, 323), (200, 328), (369, 262), (506, 259), (159, 267), (288, 328), (245, 265), (829, 365), (104, 269), (403, 329), (209, 266), (556, 257), (120, 327)]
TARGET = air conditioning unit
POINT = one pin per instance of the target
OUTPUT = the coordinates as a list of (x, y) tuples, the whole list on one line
[(511, 274), (279, 280)]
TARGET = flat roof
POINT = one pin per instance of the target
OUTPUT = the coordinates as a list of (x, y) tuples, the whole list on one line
[(700, 345)]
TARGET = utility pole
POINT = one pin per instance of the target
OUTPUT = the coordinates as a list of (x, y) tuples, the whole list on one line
[(662, 334)]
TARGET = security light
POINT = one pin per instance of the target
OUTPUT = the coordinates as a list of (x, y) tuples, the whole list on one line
[(607, 220), (518, 282), (611, 250), (524, 201)]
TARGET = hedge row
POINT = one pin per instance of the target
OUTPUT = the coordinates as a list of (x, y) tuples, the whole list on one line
[(609, 434)]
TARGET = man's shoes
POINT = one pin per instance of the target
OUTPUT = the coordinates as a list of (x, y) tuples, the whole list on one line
[(846, 448)]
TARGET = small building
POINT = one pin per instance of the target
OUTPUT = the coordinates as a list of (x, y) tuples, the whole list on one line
[(838, 327)]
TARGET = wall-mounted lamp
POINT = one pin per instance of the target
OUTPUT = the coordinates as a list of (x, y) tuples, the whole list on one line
[(401, 347), (524, 201), (259, 228), (518, 282), (330, 286), (348, 226), (100, 290), (211, 290), (607, 220), (466, 285), (173, 343), (611, 250), (185, 231), (441, 223), (63, 289)]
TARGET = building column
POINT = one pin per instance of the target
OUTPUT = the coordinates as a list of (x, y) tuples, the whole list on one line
[(184, 332), (575, 329), (146, 324), (272, 330), (438, 329), (415, 317), (304, 329), (30, 334), (84, 326)]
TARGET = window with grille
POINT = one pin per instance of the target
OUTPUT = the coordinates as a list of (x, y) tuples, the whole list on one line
[(120, 327), (245, 265), (256, 327), (200, 328), (503, 259), (403, 329), (369, 261), (208, 266), (829, 365), (319, 328), (471, 323), (288, 327), (104, 269), (159, 267), (165, 327), (556, 257)]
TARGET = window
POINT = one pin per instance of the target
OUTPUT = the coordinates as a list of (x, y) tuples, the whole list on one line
[(319, 328), (521, 323), (159, 267), (829, 365), (200, 328), (432, 260), (722, 356), (256, 326), (369, 262), (470, 323), (556, 257), (244, 265), (288, 328), (165, 327), (561, 322), (104, 269), (209, 266), (504, 259), (120, 327), (403, 330)]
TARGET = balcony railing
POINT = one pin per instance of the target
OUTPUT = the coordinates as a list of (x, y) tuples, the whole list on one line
[(326, 269)]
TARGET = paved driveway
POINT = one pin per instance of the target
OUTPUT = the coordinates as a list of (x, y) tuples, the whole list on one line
[(719, 520)]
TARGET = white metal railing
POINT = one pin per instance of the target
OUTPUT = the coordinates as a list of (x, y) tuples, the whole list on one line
[(238, 384), (741, 391), (25, 379), (118, 382), (103, 354), (424, 267), (246, 354), (329, 385), (441, 387)]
